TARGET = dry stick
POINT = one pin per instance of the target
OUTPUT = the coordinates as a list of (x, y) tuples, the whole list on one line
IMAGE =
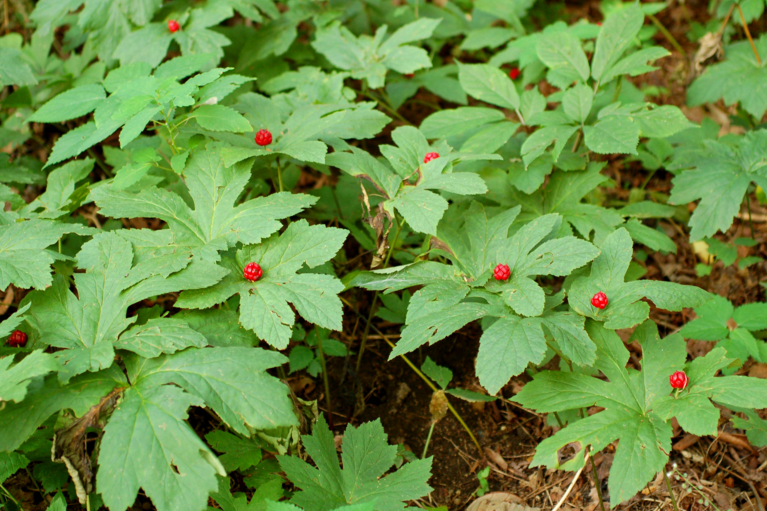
[(748, 34), (572, 483), (419, 373)]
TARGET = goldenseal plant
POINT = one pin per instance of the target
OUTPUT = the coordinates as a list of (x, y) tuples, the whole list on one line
[(209, 206)]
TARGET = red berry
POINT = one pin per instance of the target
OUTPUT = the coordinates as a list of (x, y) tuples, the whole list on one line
[(17, 339), (514, 73), (599, 300), (502, 272), (599, 23), (263, 137), (252, 272), (409, 75), (679, 380), (173, 26), (430, 156)]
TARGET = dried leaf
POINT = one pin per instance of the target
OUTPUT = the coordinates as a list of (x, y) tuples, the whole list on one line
[(499, 501)]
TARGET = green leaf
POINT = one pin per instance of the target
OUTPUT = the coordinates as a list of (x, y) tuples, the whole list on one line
[(221, 118), (624, 309), (24, 262), (160, 335), (18, 421), (231, 381), (629, 399), (563, 55), (451, 122), (422, 209), (366, 457), (636, 63), (239, 453), (720, 177), (15, 380), (489, 84), (737, 79), (264, 304), (506, 348), (70, 104), (617, 33), (148, 444), (441, 375), (10, 463), (577, 102), (612, 134), (88, 325)]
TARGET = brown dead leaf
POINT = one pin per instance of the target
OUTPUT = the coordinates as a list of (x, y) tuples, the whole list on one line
[(710, 46), (685, 443), (758, 371), (7, 300), (496, 458), (69, 444), (377, 222), (499, 501), (736, 440)]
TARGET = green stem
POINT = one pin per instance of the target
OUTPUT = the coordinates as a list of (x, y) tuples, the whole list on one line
[(670, 491), (375, 301), (279, 173), (324, 375), (419, 373), (597, 484), (7, 493), (663, 30), (428, 439)]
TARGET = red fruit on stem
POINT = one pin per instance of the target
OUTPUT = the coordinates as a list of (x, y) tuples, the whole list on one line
[(514, 73), (409, 75), (263, 137), (599, 300), (252, 272), (430, 156), (17, 339), (679, 380), (599, 23), (173, 26), (502, 272)]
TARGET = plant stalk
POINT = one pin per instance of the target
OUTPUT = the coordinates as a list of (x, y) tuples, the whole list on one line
[(428, 439), (325, 377), (663, 30), (750, 222), (598, 484), (670, 491), (373, 304), (748, 34)]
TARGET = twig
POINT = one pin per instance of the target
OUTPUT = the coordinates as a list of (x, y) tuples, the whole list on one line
[(572, 483), (597, 484)]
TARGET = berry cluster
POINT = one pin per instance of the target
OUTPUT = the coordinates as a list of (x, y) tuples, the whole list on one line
[(679, 380), (514, 73), (173, 26), (430, 156), (502, 272), (599, 300), (252, 272), (263, 137), (17, 339)]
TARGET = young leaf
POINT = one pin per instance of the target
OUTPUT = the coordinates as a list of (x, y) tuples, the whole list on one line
[(366, 457), (488, 83)]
